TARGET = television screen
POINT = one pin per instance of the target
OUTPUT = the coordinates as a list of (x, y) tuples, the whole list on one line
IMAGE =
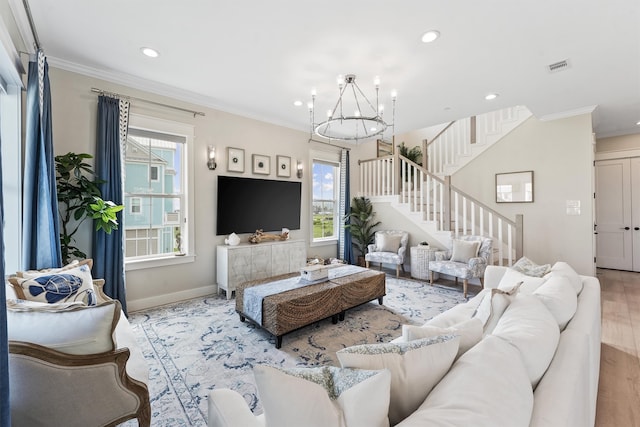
[(246, 204)]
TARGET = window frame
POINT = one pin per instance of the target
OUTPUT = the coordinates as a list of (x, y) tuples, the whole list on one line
[(154, 124), (331, 159)]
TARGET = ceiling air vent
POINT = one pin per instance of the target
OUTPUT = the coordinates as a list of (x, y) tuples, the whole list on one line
[(558, 66)]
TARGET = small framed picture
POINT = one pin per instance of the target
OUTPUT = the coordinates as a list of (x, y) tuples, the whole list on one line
[(261, 164), (235, 159), (284, 166)]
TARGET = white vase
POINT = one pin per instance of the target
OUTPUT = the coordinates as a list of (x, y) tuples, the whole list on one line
[(232, 240)]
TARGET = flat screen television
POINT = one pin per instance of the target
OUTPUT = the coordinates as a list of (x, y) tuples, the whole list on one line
[(247, 204)]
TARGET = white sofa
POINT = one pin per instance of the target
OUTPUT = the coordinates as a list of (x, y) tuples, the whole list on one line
[(80, 367), (536, 363)]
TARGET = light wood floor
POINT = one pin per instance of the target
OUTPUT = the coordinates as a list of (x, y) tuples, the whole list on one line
[(619, 388)]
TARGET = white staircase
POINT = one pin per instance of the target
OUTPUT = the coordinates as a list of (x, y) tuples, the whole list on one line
[(428, 199)]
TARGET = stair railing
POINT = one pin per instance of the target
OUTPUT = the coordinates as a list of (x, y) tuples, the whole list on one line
[(440, 202)]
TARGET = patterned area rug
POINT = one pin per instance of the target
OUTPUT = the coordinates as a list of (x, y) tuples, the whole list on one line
[(195, 346)]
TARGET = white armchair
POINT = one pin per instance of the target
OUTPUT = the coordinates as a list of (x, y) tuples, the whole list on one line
[(468, 258), (390, 247)]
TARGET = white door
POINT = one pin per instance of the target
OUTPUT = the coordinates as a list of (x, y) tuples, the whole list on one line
[(614, 246), (635, 211)]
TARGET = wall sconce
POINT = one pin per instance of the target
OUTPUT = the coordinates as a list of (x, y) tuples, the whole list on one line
[(211, 158), (299, 171)]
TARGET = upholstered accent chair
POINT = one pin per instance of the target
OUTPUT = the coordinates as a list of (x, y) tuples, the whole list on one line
[(468, 258), (390, 247)]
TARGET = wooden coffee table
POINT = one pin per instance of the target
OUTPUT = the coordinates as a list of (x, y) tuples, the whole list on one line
[(287, 311)]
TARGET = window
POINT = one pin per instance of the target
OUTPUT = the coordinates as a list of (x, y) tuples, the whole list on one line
[(326, 177), (156, 223)]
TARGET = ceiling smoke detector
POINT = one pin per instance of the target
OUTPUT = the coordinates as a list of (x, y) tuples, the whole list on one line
[(558, 66)]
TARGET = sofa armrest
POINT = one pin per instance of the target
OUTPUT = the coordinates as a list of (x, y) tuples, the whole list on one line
[(98, 286), (442, 255), (70, 384), (371, 248), (227, 408), (493, 274)]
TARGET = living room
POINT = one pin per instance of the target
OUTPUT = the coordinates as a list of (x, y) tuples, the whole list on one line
[(560, 151)]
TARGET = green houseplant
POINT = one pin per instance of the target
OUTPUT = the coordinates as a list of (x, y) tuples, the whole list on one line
[(361, 224), (414, 154), (79, 198)]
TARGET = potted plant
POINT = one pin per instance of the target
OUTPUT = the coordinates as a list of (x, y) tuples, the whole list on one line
[(361, 223), (79, 198), (414, 154)]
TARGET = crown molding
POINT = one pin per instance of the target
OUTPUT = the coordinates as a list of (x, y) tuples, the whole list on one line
[(568, 113)]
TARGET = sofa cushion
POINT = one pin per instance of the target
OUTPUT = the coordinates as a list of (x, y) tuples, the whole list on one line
[(458, 313), (529, 326), (558, 295), (324, 397), (464, 250), (415, 366), (525, 266), (61, 285), (73, 330), (470, 332), (487, 387), (512, 277), (493, 305), (563, 269)]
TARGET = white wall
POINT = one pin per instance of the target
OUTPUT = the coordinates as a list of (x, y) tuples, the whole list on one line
[(74, 128), (622, 144), (560, 153)]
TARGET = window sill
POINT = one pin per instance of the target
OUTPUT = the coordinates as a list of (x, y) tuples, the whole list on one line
[(158, 262), (317, 243)]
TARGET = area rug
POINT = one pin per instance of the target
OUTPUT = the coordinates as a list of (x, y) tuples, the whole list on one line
[(195, 346)]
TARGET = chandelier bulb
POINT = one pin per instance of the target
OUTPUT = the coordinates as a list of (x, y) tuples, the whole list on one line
[(313, 92), (394, 94), (381, 108), (310, 106), (356, 113), (376, 81), (329, 113)]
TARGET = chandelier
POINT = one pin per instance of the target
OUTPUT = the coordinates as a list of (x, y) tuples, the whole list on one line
[(353, 117)]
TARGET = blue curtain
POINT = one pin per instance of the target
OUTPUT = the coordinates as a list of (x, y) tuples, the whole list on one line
[(5, 408), (40, 230), (108, 249), (349, 256)]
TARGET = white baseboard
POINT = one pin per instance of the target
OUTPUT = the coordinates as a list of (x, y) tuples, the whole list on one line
[(144, 303)]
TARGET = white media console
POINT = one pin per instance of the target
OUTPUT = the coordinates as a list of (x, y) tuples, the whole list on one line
[(248, 261)]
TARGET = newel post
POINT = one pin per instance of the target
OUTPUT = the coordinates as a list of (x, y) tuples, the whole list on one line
[(519, 236), (447, 203)]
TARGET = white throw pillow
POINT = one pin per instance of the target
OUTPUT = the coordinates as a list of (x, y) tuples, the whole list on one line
[(415, 366), (558, 295), (525, 266), (529, 326), (324, 397), (73, 330), (464, 250), (493, 306), (563, 269), (470, 332), (487, 387), (61, 285), (512, 277), (388, 242)]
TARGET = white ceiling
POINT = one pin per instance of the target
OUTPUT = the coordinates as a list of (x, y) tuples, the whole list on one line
[(255, 58)]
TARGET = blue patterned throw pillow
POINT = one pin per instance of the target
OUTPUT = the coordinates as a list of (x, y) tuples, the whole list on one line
[(72, 285)]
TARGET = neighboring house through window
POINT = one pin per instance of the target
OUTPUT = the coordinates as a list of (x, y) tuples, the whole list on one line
[(326, 178)]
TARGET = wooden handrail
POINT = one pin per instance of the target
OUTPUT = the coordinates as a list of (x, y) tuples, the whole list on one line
[(440, 133)]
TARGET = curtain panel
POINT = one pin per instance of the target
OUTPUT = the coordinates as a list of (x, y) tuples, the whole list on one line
[(5, 407), (108, 249), (40, 233), (346, 247)]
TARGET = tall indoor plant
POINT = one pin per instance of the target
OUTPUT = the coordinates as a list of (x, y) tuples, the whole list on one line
[(360, 221), (79, 198)]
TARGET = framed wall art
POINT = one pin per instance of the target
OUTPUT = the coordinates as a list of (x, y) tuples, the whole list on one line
[(284, 166), (235, 159), (261, 164)]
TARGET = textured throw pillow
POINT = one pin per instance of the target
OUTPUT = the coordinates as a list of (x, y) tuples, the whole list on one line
[(525, 266), (558, 295), (388, 242), (512, 277), (464, 250), (563, 269), (72, 330), (73, 284), (470, 332), (493, 306), (415, 366), (528, 325), (324, 397)]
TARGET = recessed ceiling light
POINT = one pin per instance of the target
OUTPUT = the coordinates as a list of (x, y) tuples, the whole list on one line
[(151, 53), (491, 96), (297, 103), (430, 36)]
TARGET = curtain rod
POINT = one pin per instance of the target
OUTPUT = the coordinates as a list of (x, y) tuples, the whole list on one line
[(27, 9), (117, 95)]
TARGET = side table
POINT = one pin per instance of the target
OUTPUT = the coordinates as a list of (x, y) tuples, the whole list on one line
[(420, 257)]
